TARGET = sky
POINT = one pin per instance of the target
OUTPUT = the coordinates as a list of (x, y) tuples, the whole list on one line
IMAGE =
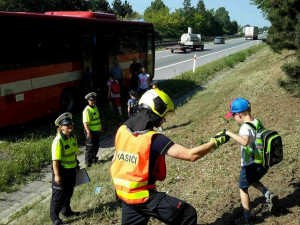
[(240, 10)]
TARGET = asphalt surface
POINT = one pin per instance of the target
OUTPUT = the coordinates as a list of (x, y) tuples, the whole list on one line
[(168, 65)]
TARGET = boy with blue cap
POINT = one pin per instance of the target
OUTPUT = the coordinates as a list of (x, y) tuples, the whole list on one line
[(251, 172)]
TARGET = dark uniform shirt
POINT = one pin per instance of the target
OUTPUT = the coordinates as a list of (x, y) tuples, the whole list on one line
[(159, 146)]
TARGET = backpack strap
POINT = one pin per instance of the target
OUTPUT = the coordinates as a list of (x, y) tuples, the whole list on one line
[(253, 127)]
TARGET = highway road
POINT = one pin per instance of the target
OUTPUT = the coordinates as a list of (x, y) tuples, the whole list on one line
[(168, 65)]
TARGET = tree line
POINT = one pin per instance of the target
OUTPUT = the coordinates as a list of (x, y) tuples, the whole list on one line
[(284, 33), (119, 8), (203, 21), (167, 24)]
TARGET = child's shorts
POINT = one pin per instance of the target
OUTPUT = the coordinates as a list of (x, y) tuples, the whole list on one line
[(251, 173)]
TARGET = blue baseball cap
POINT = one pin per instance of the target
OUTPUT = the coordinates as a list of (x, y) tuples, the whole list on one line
[(238, 105)]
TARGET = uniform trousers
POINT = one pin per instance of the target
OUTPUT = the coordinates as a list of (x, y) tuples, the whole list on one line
[(92, 147), (165, 208), (62, 193)]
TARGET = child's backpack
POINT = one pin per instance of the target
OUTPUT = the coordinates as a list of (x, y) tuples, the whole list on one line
[(134, 106), (115, 87), (272, 149)]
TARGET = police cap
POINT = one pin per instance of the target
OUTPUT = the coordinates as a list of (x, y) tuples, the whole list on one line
[(64, 119), (91, 96)]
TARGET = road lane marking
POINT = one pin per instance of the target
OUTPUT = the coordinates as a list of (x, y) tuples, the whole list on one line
[(174, 64)]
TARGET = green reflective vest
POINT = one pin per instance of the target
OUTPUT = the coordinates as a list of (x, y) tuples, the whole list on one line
[(65, 150), (91, 117)]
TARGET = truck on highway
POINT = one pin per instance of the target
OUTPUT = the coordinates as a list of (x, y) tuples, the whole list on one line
[(188, 41), (251, 32)]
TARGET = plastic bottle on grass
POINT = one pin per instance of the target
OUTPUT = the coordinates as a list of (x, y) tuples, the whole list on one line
[(259, 146)]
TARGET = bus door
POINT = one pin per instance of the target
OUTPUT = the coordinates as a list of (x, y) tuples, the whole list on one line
[(150, 55), (100, 63), (88, 83)]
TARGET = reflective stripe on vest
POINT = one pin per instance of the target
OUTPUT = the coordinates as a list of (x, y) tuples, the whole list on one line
[(68, 156), (94, 123), (130, 169)]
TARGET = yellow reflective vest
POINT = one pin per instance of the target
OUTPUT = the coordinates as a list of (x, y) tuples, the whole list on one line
[(91, 117), (65, 150)]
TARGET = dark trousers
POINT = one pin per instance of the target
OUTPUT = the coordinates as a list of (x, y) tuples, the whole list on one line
[(62, 193), (163, 207), (92, 147)]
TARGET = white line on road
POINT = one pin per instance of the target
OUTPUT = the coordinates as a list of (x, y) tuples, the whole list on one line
[(167, 56), (174, 64)]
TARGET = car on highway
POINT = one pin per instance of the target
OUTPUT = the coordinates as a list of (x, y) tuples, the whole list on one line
[(219, 40)]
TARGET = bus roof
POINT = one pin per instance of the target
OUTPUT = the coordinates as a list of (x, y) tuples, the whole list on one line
[(72, 15)]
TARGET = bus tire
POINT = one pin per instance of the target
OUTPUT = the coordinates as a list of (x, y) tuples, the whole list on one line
[(68, 101)]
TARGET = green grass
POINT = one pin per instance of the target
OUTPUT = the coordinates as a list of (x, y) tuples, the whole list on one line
[(211, 183), (26, 153), (185, 82)]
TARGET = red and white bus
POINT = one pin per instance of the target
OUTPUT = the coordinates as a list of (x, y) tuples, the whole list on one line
[(43, 58)]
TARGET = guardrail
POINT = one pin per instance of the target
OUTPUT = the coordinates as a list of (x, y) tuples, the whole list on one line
[(159, 44)]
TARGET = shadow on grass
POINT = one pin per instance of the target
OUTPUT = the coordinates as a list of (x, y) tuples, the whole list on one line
[(284, 204), (107, 207), (44, 127), (179, 125)]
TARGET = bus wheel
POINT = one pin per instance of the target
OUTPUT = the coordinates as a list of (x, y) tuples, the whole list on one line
[(67, 101)]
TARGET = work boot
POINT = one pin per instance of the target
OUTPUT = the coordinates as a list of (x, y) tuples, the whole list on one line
[(71, 213), (96, 160), (272, 202), (244, 221)]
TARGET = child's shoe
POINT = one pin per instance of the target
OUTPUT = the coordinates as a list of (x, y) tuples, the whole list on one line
[(272, 202)]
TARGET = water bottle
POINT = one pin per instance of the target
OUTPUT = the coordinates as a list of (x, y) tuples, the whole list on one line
[(259, 145), (97, 190)]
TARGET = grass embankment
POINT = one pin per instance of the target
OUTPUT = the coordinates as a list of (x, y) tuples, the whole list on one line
[(25, 151), (23, 155), (210, 184)]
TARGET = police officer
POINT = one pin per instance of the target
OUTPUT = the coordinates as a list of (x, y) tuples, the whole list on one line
[(64, 165), (139, 161), (92, 127)]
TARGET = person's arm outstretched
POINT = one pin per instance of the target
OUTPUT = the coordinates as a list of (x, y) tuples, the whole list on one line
[(180, 152), (244, 141)]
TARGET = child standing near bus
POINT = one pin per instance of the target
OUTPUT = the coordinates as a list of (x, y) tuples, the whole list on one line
[(251, 172), (132, 104)]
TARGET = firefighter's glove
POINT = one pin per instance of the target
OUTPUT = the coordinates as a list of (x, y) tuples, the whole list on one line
[(77, 166), (220, 138)]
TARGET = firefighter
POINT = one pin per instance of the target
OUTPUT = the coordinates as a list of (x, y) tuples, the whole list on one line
[(92, 129), (139, 161), (64, 166)]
